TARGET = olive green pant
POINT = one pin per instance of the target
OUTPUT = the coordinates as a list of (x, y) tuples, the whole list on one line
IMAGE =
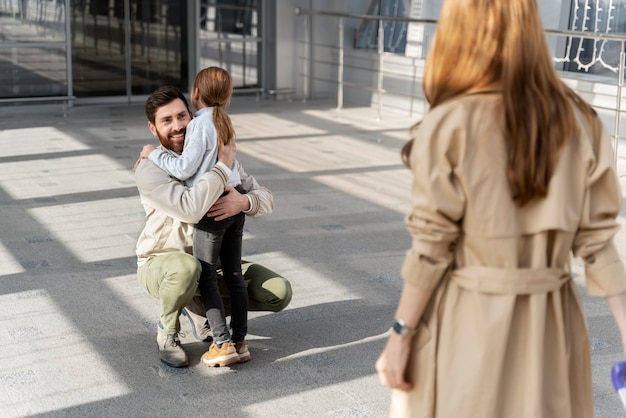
[(173, 279)]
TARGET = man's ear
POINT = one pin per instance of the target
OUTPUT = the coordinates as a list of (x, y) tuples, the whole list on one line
[(152, 129)]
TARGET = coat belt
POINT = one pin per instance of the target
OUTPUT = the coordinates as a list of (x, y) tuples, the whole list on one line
[(523, 281)]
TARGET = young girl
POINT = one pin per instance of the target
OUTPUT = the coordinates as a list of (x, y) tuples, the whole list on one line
[(213, 240)]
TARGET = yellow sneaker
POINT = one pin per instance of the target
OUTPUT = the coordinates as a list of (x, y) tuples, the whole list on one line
[(242, 349), (220, 356)]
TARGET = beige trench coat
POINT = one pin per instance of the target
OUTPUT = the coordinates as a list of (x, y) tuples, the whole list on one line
[(504, 334)]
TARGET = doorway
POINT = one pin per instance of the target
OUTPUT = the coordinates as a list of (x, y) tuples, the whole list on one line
[(128, 47)]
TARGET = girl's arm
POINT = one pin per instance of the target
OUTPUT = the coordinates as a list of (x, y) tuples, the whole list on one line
[(186, 164)]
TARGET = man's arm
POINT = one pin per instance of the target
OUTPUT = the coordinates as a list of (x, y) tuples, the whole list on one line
[(172, 197), (166, 194), (258, 201)]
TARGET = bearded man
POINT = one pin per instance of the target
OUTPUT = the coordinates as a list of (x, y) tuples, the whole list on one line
[(166, 268)]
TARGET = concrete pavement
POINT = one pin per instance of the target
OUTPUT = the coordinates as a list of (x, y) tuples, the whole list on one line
[(79, 332)]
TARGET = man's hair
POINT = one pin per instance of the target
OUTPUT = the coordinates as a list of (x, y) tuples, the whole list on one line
[(161, 97)]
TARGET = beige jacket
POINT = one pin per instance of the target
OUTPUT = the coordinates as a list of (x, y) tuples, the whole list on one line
[(504, 335), (172, 208)]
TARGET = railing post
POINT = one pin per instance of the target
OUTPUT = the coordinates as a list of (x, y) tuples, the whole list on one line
[(306, 57), (127, 52), (340, 67), (618, 105), (69, 71), (381, 50), (243, 58)]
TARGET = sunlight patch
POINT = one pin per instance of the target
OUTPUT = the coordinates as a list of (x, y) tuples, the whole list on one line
[(63, 176), (320, 288), (73, 372), (320, 153), (119, 222), (265, 128), (42, 140), (390, 189)]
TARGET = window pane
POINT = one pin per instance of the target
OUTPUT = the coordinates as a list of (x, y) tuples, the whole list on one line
[(600, 57), (158, 46), (394, 32), (229, 38), (32, 72), (33, 59), (32, 21)]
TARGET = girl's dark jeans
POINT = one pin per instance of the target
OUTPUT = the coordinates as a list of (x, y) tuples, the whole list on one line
[(222, 239)]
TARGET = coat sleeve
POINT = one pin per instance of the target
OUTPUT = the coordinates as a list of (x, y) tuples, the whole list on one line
[(438, 200), (163, 193), (261, 198), (604, 270)]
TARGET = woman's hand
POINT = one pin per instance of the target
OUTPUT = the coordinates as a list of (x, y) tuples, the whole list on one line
[(392, 363)]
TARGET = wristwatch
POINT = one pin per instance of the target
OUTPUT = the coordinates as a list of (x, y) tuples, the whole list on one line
[(400, 328)]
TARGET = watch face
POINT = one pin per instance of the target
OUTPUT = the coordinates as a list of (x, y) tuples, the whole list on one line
[(399, 328)]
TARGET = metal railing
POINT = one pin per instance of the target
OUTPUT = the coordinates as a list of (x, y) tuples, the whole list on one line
[(308, 63)]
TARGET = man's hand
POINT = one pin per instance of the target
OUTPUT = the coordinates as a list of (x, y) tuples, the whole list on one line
[(147, 149), (229, 205), (227, 154)]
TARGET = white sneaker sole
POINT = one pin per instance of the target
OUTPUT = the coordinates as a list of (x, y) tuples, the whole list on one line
[(221, 361)]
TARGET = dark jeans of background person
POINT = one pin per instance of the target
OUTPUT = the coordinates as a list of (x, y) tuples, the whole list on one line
[(215, 242)]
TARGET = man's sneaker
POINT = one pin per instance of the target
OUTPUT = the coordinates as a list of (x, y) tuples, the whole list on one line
[(242, 349), (170, 350), (199, 325), (220, 356)]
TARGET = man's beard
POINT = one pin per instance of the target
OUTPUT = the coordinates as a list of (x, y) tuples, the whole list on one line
[(166, 142)]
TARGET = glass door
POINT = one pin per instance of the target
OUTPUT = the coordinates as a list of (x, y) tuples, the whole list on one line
[(230, 37), (128, 47)]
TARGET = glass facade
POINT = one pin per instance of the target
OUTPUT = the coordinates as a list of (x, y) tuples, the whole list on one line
[(95, 48), (33, 48)]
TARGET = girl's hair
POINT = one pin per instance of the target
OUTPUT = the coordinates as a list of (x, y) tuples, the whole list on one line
[(216, 87), (481, 42)]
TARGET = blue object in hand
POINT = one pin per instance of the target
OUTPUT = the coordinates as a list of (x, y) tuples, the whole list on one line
[(618, 375)]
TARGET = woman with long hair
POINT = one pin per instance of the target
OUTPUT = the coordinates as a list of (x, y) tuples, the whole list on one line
[(513, 174)]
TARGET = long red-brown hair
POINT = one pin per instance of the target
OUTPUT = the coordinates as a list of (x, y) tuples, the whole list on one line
[(482, 43), (216, 88)]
